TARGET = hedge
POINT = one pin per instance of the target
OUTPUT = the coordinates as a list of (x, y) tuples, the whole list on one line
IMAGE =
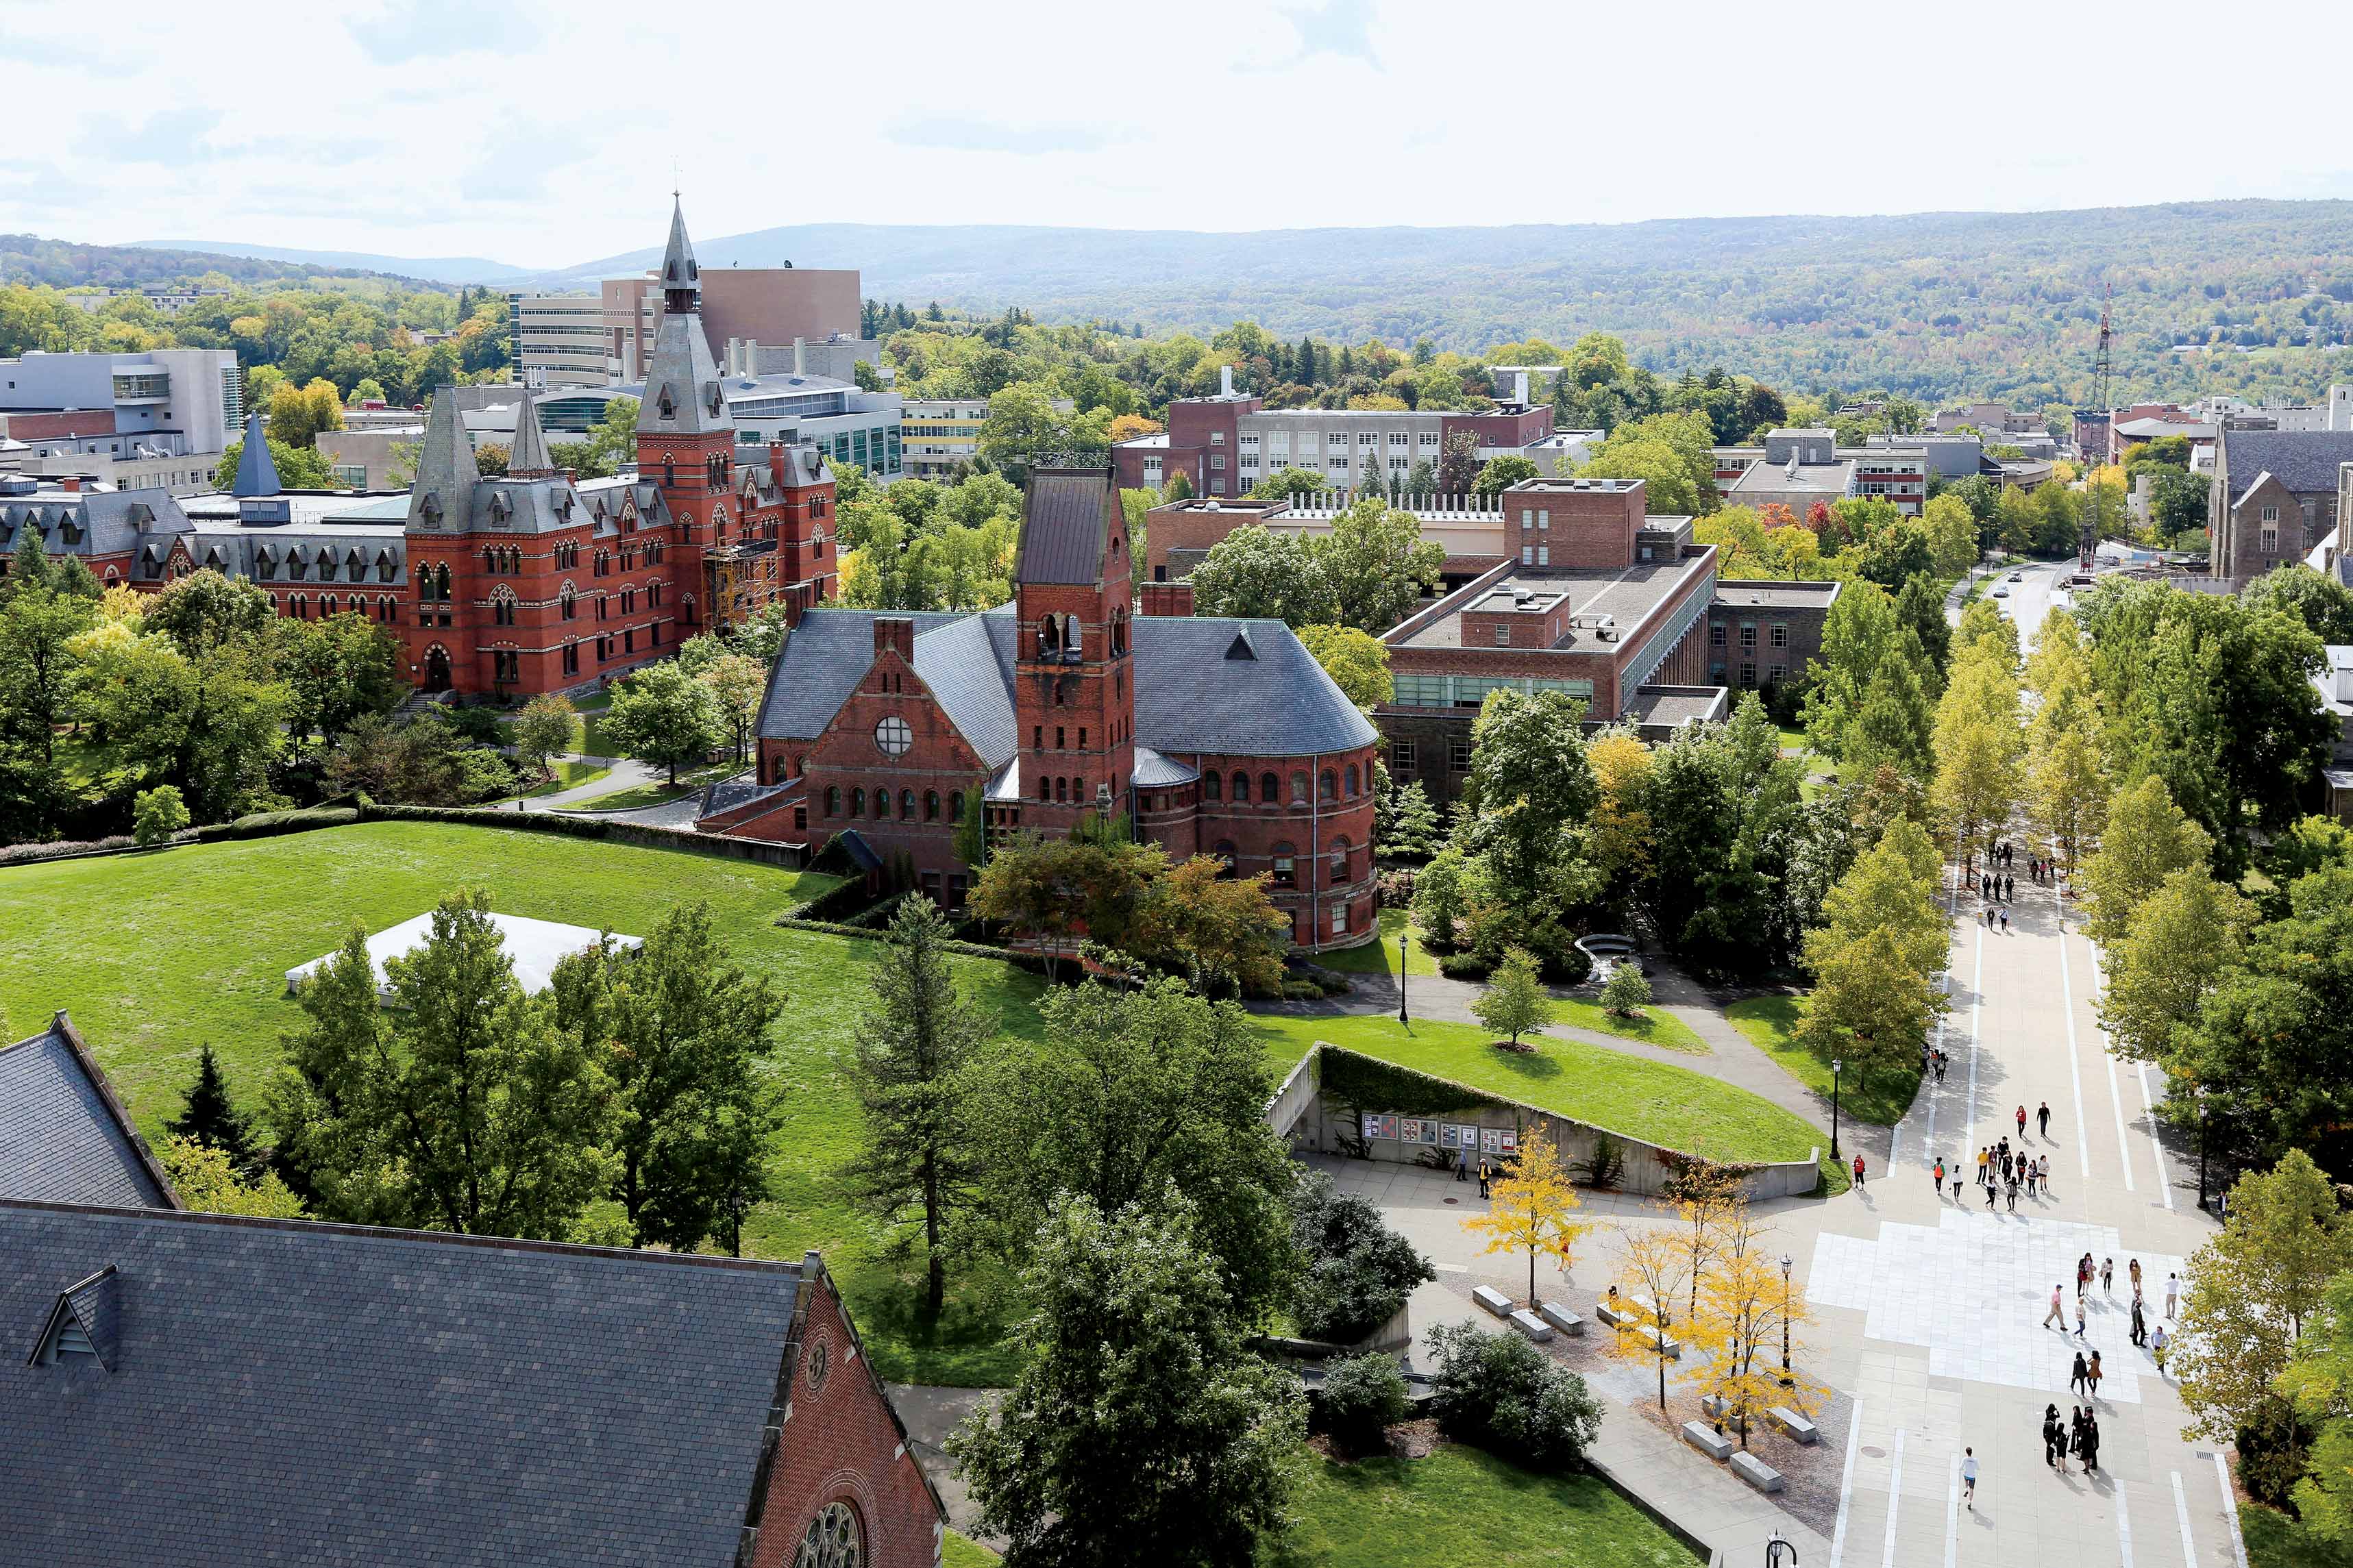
[(1034, 962), (1366, 1081), (269, 824)]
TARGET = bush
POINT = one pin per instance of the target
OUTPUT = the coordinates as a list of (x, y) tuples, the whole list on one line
[(62, 848), (1361, 1395), (1502, 1392), (158, 814), (2274, 1451), (1356, 1272), (1625, 992), (1301, 991), (477, 774), (1462, 966), (269, 824), (479, 725)]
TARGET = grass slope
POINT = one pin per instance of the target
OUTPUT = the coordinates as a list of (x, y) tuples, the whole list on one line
[(158, 954), (956, 1551), (1671, 1106), (1771, 1024), (1381, 957), (1378, 1513)]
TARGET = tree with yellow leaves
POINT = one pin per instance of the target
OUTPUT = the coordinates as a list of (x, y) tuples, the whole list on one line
[(1618, 837), (1746, 1304), (1655, 1263), (1708, 1199), (1533, 1208)]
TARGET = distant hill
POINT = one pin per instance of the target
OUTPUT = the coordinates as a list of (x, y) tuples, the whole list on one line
[(1937, 304), (432, 268), (64, 264)]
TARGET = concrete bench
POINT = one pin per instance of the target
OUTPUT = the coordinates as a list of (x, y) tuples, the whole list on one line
[(1794, 1425), (1671, 1347), (1492, 1299), (1715, 1406), (1561, 1318), (1528, 1323), (1613, 1317), (1756, 1472), (1707, 1439)]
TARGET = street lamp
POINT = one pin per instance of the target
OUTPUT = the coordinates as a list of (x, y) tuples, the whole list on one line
[(1403, 939), (2201, 1146), (1787, 1381), (1835, 1066), (1778, 1551)]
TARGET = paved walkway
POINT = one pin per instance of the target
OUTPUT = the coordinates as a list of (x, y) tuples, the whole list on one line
[(626, 773)]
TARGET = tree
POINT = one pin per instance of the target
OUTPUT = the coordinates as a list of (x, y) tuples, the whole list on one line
[(1876, 956), (298, 415), (1128, 1090), (1742, 1308), (1376, 563), (1515, 1002), (2322, 603), (210, 1119), (208, 1180), (547, 727), (1361, 1396), (1139, 1431), (736, 683), (1257, 572), (1054, 887), (2250, 1290), (157, 815), (1952, 533), (1502, 1392), (917, 1046), (1025, 427), (335, 669), (1500, 474), (1413, 830), (1621, 829), (664, 716), (1978, 747), (205, 612), (1355, 1271), (299, 467), (1292, 484), (1458, 463), (1655, 1264), (1357, 662), (1626, 993), (38, 625), (461, 1105), (2177, 947), (684, 1033), (2146, 839), (1531, 1208), (1215, 929)]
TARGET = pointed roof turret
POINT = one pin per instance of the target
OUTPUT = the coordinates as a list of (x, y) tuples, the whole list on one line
[(529, 458), (443, 493), (256, 474), (681, 280)]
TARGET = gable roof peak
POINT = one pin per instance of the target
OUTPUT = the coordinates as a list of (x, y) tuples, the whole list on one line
[(528, 458), (446, 472), (256, 474)]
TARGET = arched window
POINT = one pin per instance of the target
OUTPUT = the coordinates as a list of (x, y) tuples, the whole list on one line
[(1211, 786), (1339, 861), (564, 604), (881, 805), (1072, 637), (1241, 788), (1050, 637), (326, 603), (800, 766), (1078, 791), (858, 803), (1225, 852), (956, 806), (441, 582), (906, 805), (1352, 781), (1269, 789), (1045, 788), (1298, 789), (833, 800), (931, 805), (1061, 790), (1329, 785)]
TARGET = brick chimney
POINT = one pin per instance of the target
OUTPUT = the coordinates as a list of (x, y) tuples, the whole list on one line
[(894, 632), (777, 463)]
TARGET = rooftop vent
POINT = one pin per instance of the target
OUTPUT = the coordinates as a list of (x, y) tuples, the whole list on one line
[(1240, 648), (82, 1325)]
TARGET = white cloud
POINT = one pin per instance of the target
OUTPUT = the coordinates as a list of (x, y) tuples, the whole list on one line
[(545, 131)]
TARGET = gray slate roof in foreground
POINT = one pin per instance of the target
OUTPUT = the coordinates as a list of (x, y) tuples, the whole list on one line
[(63, 1136), (2303, 460), (292, 1392), (1189, 695)]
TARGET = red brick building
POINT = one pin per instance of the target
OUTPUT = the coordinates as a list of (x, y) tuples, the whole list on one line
[(1211, 736), (507, 584)]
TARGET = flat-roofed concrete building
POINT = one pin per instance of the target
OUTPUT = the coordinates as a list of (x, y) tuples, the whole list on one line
[(1797, 468)]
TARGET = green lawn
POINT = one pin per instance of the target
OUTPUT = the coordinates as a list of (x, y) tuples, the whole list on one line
[(568, 775), (1771, 1023), (1657, 1027), (1652, 1102), (2275, 1541), (955, 1551), (1461, 1505), (1381, 957), (158, 954), (659, 792), (1793, 740)]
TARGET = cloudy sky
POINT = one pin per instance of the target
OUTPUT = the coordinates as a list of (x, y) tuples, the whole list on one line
[(544, 133)]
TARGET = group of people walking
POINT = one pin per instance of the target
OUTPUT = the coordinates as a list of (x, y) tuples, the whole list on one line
[(2079, 1436), (1999, 886), (2001, 1172)]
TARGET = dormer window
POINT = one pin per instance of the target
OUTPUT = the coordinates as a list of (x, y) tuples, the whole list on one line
[(82, 1327), (666, 405)]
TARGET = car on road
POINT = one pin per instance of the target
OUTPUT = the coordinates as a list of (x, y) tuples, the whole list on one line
[(2001, 592), (2018, 577)]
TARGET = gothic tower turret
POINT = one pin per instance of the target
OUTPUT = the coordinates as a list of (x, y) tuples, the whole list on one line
[(686, 439), (1074, 685)]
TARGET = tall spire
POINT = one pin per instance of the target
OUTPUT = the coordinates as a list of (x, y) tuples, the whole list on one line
[(443, 493), (256, 474), (680, 279), (528, 459)]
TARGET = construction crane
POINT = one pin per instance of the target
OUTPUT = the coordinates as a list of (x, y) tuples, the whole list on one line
[(2089, 544)]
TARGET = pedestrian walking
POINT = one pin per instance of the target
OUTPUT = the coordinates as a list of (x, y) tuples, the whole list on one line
[(2043, 1121), (1939, 1182), (2157, 1343), (2055, 1311), (1858, 1171), (2008, 894), (2005, 1164), (2022, 1124), (1956, 1186), (2005, 931), (2079, 1314), (2093, 1374), (1990, 1194), (2139, 1325), (2042, 1169), (2054, 1439), (2075, 1378), (1969, 1478), (1486, 1173), (2172, 1296), (1462, 1166), (2108, 1278), (2132, 1268), (2010, 1192), (2091, 1443), (1984, 1156)]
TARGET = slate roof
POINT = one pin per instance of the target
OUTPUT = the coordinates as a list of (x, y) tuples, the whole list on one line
[(1154, 771), (1189, 697), (257, 475), (443, 491), (64, 1138), (285, 1392), (2303, 460), (1065, 526), (111, 523)]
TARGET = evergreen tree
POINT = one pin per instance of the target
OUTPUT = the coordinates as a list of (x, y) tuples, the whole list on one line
[(1413, 823), (915, 1048), (1303, 364), (209, 1119)]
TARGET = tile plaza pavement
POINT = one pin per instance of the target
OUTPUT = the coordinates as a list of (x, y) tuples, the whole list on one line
[(1928, 1314)]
